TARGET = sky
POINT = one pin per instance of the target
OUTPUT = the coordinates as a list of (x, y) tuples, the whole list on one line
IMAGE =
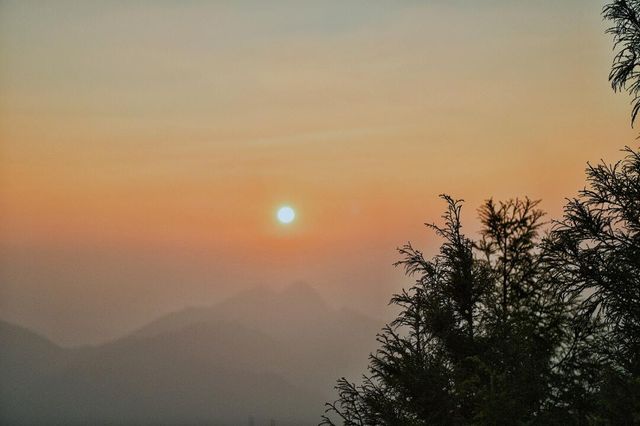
[(146, 146)]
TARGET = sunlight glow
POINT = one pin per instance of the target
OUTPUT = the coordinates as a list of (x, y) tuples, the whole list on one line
[(286, 214)]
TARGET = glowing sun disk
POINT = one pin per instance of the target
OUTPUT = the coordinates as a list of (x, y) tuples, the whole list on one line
[(286, 214)]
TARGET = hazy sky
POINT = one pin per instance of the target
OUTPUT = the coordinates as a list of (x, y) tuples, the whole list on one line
[(146, 145)]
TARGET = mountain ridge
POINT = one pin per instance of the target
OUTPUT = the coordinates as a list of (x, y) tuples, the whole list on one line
[(260, 352)]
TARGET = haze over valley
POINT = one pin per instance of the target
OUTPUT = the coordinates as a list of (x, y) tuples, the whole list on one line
[(261, 353)]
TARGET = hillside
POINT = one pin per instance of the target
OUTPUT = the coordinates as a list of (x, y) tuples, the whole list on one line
[(258, 353)]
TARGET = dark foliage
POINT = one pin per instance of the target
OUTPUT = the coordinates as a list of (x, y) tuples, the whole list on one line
[(594, 256), (512, 329), (625, 75), (478, 337)]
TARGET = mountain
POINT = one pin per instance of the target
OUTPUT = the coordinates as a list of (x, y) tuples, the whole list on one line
[(287, 313), (327, 342), (24, 357), (271, 355)]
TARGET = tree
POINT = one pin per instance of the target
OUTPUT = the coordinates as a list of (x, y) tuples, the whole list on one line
[(625, 72), (593, 254), (513, 330), (478, 335)]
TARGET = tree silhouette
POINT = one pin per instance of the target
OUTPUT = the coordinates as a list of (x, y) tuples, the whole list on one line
[(625, 75), (512, 328), (478, 336), (594, 256)]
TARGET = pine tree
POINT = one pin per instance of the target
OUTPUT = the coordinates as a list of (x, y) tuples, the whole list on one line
[(477, 337), (625, 75), (594, 256)]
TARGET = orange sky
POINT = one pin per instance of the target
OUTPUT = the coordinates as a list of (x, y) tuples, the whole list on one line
[(145, 148)]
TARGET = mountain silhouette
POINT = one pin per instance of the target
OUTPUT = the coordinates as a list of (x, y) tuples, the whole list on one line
[(258, 307), (265, 353), (299, 318)]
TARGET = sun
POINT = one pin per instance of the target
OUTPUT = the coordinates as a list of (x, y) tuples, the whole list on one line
[(286, 214)]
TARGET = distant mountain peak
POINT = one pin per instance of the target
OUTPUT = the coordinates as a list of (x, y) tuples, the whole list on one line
[(259, 290), (11, 333), (302, 292)]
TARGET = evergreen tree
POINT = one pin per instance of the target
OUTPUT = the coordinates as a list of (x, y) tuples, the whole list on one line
[(512, 330), (478, 335), (594, 256), (625, 75)]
